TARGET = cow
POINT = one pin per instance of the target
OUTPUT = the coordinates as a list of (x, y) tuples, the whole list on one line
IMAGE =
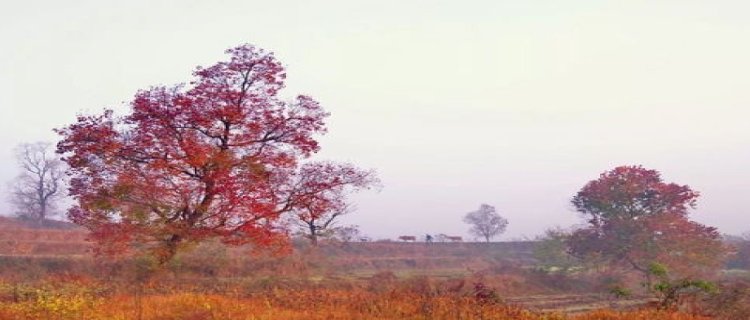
[(454, 238), (407, 238)]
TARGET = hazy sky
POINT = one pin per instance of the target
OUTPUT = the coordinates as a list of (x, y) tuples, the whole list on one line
[(455, 103)]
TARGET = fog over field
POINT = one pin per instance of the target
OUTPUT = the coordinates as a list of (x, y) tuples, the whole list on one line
[(455, 103)]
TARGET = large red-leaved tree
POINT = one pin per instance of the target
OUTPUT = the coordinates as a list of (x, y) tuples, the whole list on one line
[(635, 219), (222, 157)]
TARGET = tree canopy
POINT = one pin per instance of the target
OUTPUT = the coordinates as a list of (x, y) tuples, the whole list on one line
[(636, 219), (221, 157), (486, 222)]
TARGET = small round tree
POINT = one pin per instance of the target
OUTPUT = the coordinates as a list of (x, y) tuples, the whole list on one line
[(635, 219), (485, 222)]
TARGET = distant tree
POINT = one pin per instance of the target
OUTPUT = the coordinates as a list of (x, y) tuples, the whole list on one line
[(485, 222), (318, 196), (219, 158), (348, 233), (635, 219), (37, 190)]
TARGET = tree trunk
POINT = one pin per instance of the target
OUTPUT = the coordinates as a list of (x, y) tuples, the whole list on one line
[(169, 250), (42, 213), (313, 235)]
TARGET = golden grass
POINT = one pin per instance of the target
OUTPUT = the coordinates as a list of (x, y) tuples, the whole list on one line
[(82, 303)]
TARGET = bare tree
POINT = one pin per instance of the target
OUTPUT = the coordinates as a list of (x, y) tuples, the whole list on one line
[(320, 225), (36, 191), (485, 222), (317, 198), (348, 233)]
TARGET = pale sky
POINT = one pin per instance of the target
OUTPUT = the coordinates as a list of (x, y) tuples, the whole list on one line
[(455, 103)]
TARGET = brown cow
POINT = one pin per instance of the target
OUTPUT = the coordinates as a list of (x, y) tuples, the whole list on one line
[(407, 238), (454, 238)]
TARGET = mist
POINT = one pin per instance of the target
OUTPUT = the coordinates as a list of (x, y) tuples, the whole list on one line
[(517, 105)]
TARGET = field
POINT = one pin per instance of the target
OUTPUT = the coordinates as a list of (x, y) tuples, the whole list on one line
[(49, 274), (289, 304)]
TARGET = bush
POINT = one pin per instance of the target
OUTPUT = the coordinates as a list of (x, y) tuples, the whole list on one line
[(732, 301)]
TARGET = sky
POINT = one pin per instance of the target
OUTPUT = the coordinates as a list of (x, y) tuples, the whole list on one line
[(516, 104)]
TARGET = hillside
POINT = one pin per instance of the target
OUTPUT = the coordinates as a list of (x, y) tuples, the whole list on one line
[(28, 252), (23, 239), (53, 238)]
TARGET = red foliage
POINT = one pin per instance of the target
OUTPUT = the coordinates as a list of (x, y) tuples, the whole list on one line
[(632, 191), (319, 194), (218, 158), (636, 218)]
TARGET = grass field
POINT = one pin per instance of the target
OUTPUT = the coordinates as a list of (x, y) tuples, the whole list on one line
[(83, 302), (50, 274)]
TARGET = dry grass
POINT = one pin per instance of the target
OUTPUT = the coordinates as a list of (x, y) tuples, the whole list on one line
[(84, 301)]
